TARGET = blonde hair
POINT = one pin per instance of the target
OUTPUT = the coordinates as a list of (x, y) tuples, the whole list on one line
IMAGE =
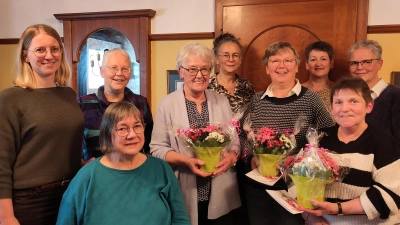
[(25, 77)]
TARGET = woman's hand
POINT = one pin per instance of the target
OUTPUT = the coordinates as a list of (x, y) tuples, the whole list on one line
[(254, 163), (314, 220), (9, 221), (322, 208), (194, 164), (229, 159)]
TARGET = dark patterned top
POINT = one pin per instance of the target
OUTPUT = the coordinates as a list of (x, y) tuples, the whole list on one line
[(93, 108), (199, 120), (242, 95), (282, 113)]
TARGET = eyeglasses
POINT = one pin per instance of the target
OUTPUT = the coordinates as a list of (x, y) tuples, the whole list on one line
[(115, 69), (277, 62), (364, 63), (42, 51), (193, 71), (226, 57), (124, 131)]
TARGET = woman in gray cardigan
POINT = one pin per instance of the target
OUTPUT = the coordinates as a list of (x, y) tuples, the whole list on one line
[(209, 197)]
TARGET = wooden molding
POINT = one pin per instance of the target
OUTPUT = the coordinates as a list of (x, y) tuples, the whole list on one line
[(152, 37), (106, 15), (9, 41), (181, 36), (383, 29)]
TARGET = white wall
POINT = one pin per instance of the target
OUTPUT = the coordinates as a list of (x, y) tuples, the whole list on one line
[(383, 12), (172, 16)]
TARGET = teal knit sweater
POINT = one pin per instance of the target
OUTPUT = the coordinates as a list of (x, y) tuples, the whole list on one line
[(148, 195)]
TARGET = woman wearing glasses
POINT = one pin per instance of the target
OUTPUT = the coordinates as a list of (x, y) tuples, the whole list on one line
[(116, 71), (239, 91), (41, 129), (284, 101), (209, 197), (124, 186), (228, 57), (365, 62)]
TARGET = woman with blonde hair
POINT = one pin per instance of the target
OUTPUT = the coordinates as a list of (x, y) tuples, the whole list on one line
[(41, 129)]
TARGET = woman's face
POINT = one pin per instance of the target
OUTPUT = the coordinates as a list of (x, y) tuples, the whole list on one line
[(133, 142), (195, 84), (228, 58), (116, 82), (369, 73), (349, 108), (319, 64), (282, 73), (45, 64)]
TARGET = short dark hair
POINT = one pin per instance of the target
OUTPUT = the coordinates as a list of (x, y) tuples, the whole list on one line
[(225, 38), (320, 46), (114, 114), (355, 84)]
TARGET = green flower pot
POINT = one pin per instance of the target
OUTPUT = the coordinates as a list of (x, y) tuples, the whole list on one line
[(309, 188), (267, 164), (210, 156)]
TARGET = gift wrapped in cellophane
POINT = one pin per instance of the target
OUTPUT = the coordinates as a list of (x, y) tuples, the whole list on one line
[(312, 169)]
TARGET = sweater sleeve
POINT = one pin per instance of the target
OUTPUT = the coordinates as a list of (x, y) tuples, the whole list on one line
[(395, 112), (174, 197), (73, 203), (160, 143), (9, 144), (148, 120), (383, 198)]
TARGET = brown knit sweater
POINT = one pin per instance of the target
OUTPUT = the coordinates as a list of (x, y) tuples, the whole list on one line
[(41, 134)]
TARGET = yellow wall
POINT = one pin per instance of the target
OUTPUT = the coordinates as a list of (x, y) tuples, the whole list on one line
[(7, 68), (391, 53)]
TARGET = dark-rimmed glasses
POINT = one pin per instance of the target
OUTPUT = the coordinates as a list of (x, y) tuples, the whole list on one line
[(193, 71), (364, 63), (277, 62), (124, 131), (115, 69), (42, 51)]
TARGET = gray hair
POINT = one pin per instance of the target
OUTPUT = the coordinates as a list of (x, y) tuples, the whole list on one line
[(276, 47), (112, 116), (109, 53), (197, 50), (371, 45)]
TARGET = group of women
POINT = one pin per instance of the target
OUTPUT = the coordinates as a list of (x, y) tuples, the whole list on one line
[(42, 127)]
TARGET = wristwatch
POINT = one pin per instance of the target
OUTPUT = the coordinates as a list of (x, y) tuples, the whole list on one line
[(340, 211)]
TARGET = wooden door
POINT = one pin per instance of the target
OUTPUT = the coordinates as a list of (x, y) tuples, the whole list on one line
[(258, 23), (134, 24)]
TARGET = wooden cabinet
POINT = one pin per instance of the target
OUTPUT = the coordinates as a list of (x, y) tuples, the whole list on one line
[(134, 24)]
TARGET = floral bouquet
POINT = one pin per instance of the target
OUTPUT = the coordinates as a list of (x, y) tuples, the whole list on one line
[(270, 146), (313, 168), (207, 143)]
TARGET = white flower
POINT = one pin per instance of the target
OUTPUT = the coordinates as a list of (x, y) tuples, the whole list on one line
[(217, 136)]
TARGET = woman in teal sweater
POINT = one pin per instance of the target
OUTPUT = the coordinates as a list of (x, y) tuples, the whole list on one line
[(124, 186)]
